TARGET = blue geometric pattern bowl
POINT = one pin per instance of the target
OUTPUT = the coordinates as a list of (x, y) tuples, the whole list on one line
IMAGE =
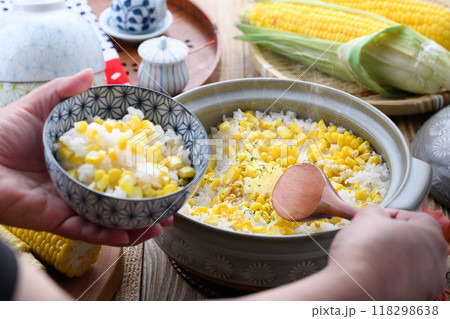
[(112, 102)]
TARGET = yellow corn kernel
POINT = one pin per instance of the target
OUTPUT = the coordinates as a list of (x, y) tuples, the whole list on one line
[(284, 132), (66, 152), (314, 152), (103, 182), (374, 159), (341, 139), (225, 126), (268, 134), (232, 175), (73, 173), (94, 157), (126, 183), (266, 125), (164, 180), (122, 143), (136, 192), (92, 133), (332, 128), (173, 162), (112, 154), (364, 147), (255, 206), (212, 162), (347, 151), (260, 199), (148, 190), (169, 188), (426, 18), (301, 138), (154, 155), (123, 127), (295, 128), (377, 199), (99, 121), (186, 172), (192, 201), (110, 125), (134, 123), (259, 229), (114, 175), (322, 144), (214, 183), (356, 142), (81, 127), (350, 161), (362, 194), (98, 175)]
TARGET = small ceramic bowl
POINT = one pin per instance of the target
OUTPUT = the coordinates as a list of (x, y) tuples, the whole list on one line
[(112, 102), (255, 261), (163, 67), (45, 40)]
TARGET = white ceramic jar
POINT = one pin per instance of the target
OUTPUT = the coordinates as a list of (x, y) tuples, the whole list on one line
[(42, 40), (163, 67)]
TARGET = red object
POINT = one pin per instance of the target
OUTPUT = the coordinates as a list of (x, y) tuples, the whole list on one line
[(115, 73), (443, 221)]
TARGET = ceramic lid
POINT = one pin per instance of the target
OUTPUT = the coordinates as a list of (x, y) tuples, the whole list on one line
[(432, 145), (163, 50), (46, 40)]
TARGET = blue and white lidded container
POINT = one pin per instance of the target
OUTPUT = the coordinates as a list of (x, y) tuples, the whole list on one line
[(163, 67)]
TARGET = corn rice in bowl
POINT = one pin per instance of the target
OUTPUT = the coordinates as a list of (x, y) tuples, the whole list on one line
[(255, 261), (147, 202), (253, 149)]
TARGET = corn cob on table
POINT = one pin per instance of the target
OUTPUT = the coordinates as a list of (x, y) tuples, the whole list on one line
[(86, 271)]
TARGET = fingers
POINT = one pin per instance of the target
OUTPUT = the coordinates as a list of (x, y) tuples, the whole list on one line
[(41, 101), (78, 228), (167, 222)]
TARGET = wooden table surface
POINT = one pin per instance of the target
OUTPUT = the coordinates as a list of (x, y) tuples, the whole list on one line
[(159, 279)]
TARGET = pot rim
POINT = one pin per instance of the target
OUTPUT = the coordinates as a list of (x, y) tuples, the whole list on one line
[(204, 90)]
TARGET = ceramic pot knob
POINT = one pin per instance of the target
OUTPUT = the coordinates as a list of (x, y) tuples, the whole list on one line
[(163, 67)]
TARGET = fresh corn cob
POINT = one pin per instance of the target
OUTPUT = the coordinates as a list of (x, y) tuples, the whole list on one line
[(71, 257), (313, 18), (432, 21), (391, 62), (20, 247)]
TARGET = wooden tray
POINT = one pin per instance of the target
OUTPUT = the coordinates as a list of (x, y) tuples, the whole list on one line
[(271, 64), (191, 25), (100, 282)]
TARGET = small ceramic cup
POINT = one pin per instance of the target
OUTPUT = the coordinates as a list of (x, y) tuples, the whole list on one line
[(137, 16), (163, 67)]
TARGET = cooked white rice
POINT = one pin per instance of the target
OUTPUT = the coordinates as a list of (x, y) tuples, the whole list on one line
[(233, 213)]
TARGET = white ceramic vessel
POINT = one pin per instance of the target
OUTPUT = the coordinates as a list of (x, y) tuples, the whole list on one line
[(163, 67), (42, 40)]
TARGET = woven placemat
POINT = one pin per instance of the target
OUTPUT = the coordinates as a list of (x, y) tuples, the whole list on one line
[(130, 288), (206, 287)]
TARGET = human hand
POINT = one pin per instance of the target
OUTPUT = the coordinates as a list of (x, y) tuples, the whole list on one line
[(28, 198), (388, 254)]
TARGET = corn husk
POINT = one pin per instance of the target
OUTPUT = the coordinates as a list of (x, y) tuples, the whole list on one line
[(391, 62)]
